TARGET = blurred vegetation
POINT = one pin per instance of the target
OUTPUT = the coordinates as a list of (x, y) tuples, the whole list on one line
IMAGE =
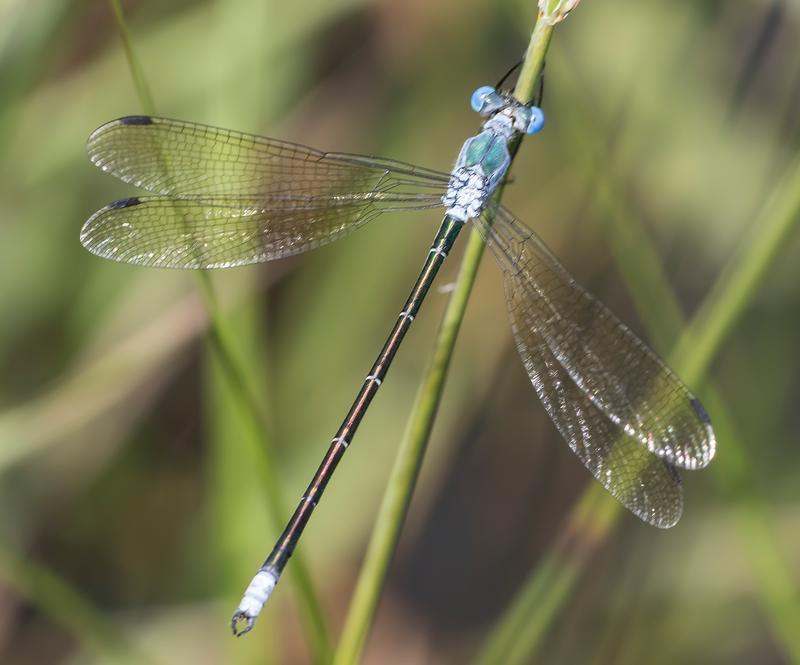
[(133, 497)]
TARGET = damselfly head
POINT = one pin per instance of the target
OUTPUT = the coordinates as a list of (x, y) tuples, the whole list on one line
[(506, 115)]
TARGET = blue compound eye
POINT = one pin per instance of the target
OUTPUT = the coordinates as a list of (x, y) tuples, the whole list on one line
[(536, 122), (478, 97)]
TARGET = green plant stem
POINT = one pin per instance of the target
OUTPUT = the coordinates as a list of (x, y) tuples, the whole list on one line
[(242, 385), (403, 478), (533, 63)]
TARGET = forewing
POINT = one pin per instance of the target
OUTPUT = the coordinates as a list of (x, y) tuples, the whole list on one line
[(644, 483), (175, 233), (228, 198), (188, 160), (608, 364)]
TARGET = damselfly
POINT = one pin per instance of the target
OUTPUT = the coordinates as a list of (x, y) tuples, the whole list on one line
[(224, 199)]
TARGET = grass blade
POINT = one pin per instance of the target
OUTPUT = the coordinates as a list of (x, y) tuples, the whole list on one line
[(68, 608)]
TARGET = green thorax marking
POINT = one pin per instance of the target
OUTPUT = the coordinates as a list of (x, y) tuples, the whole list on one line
[(488, 150)]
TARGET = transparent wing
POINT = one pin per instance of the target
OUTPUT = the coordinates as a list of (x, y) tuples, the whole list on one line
[(608, 364), (176, 233), (228, 199), (188, 160), (645, 484)]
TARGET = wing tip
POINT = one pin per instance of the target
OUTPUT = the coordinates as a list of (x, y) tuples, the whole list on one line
[(96, 136), (110, 236), (123, 203), (700, 410), (711, 439), (136, 120), (668, 515), (662, 514), (92, 234), (666, 523)]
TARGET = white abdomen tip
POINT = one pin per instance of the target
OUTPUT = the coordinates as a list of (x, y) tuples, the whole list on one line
[(257, 593)]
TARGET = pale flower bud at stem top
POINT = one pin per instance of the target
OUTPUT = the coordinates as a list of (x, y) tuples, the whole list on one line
[(554, 11)]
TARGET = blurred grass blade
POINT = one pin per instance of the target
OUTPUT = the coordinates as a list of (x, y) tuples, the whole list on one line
[(99, 384), (242, 386), (776, 583), (55, 598), (517, 635), (400, 488), (738, 283), (139, 81), (25, 30)]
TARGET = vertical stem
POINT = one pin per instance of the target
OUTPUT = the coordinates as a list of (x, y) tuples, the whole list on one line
[(396, 500), (533, 64)]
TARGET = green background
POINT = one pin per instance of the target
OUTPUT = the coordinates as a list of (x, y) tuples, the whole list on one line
[(132, 501)]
